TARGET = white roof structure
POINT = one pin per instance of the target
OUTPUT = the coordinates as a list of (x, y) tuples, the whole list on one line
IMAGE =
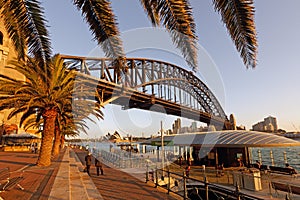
[(228, 138)]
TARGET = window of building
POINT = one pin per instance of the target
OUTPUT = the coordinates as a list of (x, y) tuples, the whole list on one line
[(1, 38)]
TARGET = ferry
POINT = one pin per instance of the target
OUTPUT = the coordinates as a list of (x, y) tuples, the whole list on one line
[(292, 135)]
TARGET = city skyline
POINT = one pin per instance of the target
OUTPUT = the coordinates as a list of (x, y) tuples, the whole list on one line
[(251, 95)]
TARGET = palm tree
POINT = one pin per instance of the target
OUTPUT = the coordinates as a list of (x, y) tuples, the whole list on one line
[(72, 120), (26, 26), (44, 94)]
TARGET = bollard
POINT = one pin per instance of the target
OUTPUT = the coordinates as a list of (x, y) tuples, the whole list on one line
[(284, 157), (272, 158), (259, 155)]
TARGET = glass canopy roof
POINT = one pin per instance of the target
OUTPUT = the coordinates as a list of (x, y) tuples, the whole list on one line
[(229, 138)]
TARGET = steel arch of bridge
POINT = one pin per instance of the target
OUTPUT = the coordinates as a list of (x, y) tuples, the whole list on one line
[(148, 82)]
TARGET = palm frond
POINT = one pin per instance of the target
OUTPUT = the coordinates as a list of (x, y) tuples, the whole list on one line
[(26, 26), (176, 16), (27, 116), (32, 123), (150, 7), (238, 16), (13, 27), (100, 17), (38, 37)]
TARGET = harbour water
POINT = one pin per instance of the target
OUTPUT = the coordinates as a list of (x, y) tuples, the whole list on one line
[(276, 156), (292, 156)]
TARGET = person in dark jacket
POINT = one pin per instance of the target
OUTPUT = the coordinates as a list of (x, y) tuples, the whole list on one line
[(98, 166), (88, 162), (187, 171)]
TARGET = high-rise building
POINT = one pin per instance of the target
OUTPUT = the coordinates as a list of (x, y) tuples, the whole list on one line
[(269, 124), (194, 126), (271, 121), (233, 121), (176, 126)]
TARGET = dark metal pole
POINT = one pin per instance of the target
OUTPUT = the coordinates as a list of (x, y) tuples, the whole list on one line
[(206, 188), (185, 197), (156, 177), (169, 181), (147, 171)]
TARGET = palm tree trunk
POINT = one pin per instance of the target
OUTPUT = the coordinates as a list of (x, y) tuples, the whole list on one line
[(62, 141), (47, 137), (56, 145)]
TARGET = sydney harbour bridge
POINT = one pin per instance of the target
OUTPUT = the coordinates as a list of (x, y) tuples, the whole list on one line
[(152, 85)]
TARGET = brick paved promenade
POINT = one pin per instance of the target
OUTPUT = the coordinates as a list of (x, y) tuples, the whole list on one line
[(64, 179)]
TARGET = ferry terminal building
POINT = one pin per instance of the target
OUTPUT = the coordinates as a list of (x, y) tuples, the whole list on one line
[(221, 147)]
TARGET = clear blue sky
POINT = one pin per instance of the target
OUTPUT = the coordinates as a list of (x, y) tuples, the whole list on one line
[(272, 88)]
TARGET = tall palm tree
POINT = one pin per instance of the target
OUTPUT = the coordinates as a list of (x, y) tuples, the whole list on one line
[(25, 23), (72, 120), (45, 93)]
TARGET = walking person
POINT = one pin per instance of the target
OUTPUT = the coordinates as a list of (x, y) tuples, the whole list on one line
[(98, 166), (180, 161), (88, 162)]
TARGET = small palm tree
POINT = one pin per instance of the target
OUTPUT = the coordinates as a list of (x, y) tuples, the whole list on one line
[(44, 94)]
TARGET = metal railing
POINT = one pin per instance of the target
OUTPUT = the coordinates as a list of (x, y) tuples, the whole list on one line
[(203, 183), (192, 188)]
